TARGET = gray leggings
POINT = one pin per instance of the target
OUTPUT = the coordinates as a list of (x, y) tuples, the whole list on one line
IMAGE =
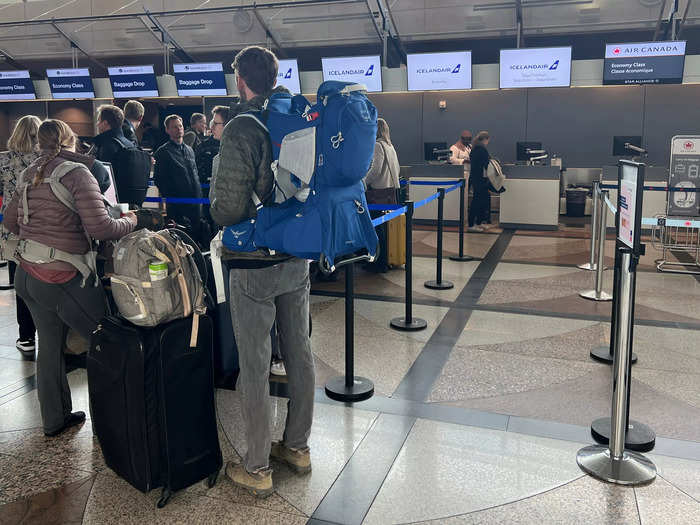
[(55, 308)]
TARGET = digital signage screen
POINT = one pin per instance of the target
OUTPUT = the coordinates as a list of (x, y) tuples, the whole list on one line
[(200, 79), (133, 81), (70, 83), (535, 67), (16, 85), (365, 70), (288, 75), (644, 63), (439, 71)]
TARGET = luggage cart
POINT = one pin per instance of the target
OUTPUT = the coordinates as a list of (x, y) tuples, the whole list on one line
[(682, 235)]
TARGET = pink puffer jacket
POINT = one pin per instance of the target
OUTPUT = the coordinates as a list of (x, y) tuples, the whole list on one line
[(53, 224)]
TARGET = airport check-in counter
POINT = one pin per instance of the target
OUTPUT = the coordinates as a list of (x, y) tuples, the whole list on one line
[(435, 172), (531, 199), (654, 202)]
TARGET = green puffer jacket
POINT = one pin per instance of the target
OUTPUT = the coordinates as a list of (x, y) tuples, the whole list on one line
[(245, 160)]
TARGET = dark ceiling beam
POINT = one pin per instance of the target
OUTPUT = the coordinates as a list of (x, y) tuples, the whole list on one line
[(180, 12), (681, 26), (396, 37), (9, 59), (75, 45), (168, 39), (374, 22), (660, 20), (519, 22), (281, 53)]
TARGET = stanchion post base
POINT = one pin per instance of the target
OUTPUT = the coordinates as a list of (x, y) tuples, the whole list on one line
[(639, 437), (442, 285), (591, 295), (361, 389), (603, 355), (632, 469), (463, 258), (416, 324), (588, 267)]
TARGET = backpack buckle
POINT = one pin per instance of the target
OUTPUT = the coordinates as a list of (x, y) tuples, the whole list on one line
[(337, 139)]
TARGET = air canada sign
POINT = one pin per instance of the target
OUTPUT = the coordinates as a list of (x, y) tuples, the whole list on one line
[(644, 63)]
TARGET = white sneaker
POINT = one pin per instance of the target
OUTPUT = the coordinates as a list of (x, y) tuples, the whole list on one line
[(277, 368), (475, 229), (486, 227)]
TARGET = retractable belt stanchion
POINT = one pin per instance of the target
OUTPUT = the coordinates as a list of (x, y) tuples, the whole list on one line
[(598, 294), (349, 388), (438, 283), (462, 196), (408, 323), (612, 463), (591, 265)]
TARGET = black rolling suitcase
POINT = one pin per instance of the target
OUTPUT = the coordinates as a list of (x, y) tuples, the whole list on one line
[(152, 403)]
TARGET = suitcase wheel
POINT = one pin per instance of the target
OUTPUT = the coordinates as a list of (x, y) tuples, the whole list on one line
[(211, 480), (164, 497)]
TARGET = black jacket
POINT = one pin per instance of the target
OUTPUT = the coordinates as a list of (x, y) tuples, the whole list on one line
[(176, 171), (479, 158), (129, 132), (107, 146), (204, 155)]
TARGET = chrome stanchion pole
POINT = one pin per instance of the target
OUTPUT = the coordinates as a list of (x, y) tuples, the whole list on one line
[(613, 463), (408, 323), (591, 264), (598, 294), (438, 283), (349, 388)]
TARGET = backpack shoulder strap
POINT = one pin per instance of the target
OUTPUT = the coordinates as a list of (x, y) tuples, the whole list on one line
[(254, 117), (59, 190)]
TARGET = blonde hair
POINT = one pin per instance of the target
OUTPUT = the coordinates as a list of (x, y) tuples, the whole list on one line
[(481, 137), (383, 130), (24, 136), (53, 135)]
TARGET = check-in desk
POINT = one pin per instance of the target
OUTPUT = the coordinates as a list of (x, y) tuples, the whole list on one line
[(531, 199), (449, 173), (653, 203)]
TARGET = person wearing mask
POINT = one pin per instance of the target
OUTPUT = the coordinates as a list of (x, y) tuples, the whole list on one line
[(479, 158), (196, 134), (175, 175), (56, 274), (462, 148), (133, 115), (263, 287), (23, 150)]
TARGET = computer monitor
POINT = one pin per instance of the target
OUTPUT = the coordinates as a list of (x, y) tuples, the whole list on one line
[(619, 141), (429, 147), (523, 147)]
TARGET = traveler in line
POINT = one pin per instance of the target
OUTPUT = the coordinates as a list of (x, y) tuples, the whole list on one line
[(462, 148), (111, 137), (382, 182), (196, 133), (176, 176), (263, 287), (58, 294), (479, 211), (23, 150), (206, 151), (133, 115)]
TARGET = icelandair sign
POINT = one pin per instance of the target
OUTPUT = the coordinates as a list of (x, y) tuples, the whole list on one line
[(536, 67), (288, 75), (439, 71), (644, 63), (363, 70)]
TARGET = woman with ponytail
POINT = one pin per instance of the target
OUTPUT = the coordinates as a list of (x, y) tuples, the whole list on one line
[(23, 150), (58, 295)]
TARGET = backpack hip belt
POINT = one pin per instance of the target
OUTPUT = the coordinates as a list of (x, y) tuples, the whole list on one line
[(38, 253)]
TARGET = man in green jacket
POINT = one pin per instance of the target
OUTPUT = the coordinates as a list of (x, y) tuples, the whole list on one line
[(263, 288)]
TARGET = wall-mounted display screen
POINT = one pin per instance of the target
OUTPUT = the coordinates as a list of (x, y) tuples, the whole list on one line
[(70, 83), (535, 67), (133, 81), (439, 71), (644, 63), (16, 85), (288, 75), (365, 70), (203, 79)]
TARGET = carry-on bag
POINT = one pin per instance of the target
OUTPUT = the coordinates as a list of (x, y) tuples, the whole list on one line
[(152, 403), (396, 241)]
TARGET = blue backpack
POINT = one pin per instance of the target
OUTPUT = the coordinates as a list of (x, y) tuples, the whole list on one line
[(321, 154)]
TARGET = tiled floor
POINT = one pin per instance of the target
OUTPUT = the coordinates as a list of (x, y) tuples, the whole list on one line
[(476, 419)]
